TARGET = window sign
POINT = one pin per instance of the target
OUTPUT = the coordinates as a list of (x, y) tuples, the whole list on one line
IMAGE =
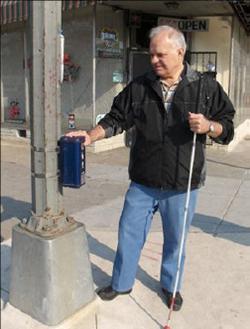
[(117, 77), (108, 44), (185, 25), (99, 117)]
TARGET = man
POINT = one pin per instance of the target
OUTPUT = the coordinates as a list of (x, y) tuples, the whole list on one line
[(165, 106)]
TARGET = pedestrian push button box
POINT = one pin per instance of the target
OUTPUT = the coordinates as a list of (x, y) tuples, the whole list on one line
[(72, 161)]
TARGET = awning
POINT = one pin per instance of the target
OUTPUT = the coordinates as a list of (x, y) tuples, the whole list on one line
[(73, 4), (242, 9), (14, 11)]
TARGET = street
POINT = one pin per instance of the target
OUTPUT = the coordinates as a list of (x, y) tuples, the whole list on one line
[(107, 181), (218, 260)]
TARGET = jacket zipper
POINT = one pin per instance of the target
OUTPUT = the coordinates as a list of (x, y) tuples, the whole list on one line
[(164, 120)]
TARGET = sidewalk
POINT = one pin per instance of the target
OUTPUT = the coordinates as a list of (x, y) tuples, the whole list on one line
[(216, 282)]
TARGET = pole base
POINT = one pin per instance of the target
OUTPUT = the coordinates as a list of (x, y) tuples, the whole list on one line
[(51, 277)]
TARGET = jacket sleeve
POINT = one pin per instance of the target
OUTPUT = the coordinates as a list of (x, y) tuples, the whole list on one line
[(120, 117), (222, 111)]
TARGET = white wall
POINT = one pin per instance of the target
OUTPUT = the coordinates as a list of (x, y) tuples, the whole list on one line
[(12, 71), (77, 95), (217, 38), (106, 89), (240, 73)]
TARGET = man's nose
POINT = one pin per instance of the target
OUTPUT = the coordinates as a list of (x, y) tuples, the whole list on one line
[(154, 59)]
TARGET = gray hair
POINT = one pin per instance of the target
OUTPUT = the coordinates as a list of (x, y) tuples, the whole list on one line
[(175, 35)]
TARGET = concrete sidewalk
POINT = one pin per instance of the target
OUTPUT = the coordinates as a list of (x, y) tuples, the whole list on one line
[(216, 282)]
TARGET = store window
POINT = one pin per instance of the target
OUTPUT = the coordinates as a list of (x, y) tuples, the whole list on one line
[(140, 26)]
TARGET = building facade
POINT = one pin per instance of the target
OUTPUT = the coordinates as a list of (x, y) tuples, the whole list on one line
[(106, 45)]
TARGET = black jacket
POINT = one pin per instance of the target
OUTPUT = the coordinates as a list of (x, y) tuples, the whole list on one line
[(160, 156)]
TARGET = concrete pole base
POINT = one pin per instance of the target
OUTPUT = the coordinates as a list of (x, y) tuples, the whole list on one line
[(51, 277)]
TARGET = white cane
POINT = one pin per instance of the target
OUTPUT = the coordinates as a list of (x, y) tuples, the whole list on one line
[(199, 95), (183, 229)]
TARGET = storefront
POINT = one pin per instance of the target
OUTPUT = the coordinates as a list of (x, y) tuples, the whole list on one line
[(100, 59), (106, 45)]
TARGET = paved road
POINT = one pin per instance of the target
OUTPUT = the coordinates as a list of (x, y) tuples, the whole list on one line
[(217, 278), (107, 181)]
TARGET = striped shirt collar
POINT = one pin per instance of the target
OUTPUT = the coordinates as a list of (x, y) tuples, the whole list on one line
[(168, 93), (172, 86)]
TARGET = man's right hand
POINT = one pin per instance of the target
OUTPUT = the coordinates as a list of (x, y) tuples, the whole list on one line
[(91, 136), (80, 133)]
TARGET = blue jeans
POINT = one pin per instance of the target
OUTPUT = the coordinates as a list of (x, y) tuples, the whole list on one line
[(140, 204)]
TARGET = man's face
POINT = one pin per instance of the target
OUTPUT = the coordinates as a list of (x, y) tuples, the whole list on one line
[(166, 58)]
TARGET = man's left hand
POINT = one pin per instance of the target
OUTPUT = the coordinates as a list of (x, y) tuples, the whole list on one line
[(198, 123)]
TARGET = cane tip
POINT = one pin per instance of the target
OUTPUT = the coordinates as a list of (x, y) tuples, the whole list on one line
[(166, 327)]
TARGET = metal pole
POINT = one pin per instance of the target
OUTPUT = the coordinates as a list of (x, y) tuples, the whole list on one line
[(45, 102), (51, 274), (2, 93), (2, 100), (94, 65), (45, 118), (26, 76)]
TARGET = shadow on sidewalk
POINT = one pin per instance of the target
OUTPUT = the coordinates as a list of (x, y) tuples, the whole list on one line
[(101, 278), (222, 229), (14, 208), (208, 224), (5, 274)]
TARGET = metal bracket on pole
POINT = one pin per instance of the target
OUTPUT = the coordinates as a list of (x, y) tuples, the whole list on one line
[(48, 224)]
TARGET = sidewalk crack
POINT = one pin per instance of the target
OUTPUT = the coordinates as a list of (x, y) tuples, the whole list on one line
[(145, 311), (230, 203), (96, 321)]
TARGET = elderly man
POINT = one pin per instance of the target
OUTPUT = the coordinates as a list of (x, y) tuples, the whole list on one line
[(165, 106)]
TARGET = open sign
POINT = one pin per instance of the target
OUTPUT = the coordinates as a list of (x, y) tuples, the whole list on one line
[(185, 25)]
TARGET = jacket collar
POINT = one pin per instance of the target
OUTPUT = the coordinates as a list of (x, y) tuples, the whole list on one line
[(188, 75), (191, 75), (153, 80)]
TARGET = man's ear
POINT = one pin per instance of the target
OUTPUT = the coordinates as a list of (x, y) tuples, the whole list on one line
[(181, 52)]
